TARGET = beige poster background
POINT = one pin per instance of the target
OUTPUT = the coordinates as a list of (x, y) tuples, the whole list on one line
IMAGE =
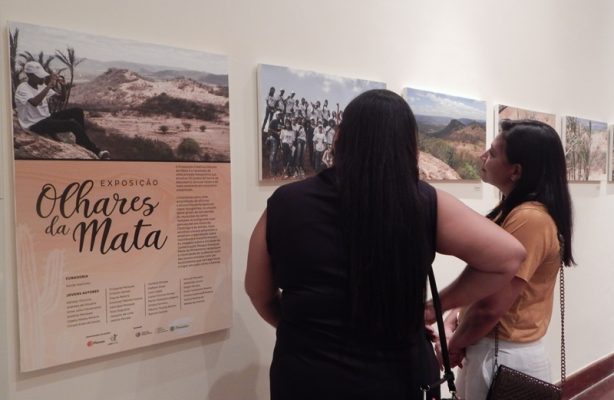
[(113, 256)]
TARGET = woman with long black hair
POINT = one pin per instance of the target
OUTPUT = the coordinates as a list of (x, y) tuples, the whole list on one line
[(338, 263), (526, 162)]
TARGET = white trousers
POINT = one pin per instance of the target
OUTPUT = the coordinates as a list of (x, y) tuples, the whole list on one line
[(478, 366)]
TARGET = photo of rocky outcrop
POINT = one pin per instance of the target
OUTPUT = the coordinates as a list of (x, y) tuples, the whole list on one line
[(140, 101), (451, 134)]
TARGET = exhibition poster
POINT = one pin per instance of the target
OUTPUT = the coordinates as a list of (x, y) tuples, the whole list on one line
[(122, 194)]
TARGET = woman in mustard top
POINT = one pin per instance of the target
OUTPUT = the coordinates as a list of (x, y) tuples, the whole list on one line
[(526, 162)]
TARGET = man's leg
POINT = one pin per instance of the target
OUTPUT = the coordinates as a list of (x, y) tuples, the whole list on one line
[(52, 126), (70, 113), (76, 114), (268, 114), (272, 154)]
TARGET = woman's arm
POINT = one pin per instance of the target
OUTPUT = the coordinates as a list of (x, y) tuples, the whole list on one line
[(259, 277), (492, 255), (534, 229), (481, 317)]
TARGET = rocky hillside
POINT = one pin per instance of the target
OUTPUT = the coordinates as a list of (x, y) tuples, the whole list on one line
[(471, 132), (432, 168), (32, 146), (453, 126), (122, 89), (89, 69), (474, 133)]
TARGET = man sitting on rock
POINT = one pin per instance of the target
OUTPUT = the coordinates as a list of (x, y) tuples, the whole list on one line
[(32, 103)]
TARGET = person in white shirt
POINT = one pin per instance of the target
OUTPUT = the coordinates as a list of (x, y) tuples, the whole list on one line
[(316, 111), (270, 107), (301, 140), (280, 102), (298, 112), (319, 139), (305, 107), (329, 133), (289, 105), (287, 142), (272, 143), (32, 104), (325, 110)]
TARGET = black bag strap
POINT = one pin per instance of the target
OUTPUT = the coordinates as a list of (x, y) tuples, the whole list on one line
[(430, 195), (448, 375)]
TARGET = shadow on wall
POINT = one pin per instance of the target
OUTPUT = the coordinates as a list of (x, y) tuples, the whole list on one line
[(250, 381), (236, 385)]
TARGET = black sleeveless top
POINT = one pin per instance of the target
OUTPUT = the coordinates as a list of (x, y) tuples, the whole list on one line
[(316, 355)]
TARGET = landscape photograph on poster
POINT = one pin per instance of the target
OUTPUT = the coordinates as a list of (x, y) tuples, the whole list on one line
[(451, 134), (127, 100), (586, 149), (508, 112), (298, 112)]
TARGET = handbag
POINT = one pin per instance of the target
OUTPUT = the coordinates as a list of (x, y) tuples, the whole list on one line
[(510, 384), (448, 375)]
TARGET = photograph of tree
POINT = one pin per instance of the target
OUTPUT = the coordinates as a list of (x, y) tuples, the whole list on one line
[(586, 149), (451, 132), (126, 100), (508, 112), (298, 112)]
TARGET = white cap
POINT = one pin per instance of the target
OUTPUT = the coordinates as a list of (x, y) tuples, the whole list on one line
[(32, 67)]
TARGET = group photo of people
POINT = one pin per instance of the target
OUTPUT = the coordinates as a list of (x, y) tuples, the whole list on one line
[(299, 112)]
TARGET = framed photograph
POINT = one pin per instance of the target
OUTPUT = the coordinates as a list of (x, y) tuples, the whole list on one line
[(611, 155), (298, 112), (451, 134), (509, 112), (586, 149)]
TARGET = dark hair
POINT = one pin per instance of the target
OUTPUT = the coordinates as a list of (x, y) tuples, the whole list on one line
[(538, 149), (382, 214)]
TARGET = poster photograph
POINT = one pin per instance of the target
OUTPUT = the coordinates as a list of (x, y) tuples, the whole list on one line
[(122, 194), (298, 112), (586, 149), (508, 112), (451, 134)]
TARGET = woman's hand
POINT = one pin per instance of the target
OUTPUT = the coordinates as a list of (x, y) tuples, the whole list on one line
[(430, 317), (449, 325)]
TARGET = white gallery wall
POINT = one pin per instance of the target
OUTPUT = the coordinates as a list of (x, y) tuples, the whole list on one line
[(555, 56)]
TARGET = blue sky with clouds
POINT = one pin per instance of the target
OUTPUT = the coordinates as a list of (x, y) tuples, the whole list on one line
[(596, 126), (34, 38), (310, 85), (441, 105)]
